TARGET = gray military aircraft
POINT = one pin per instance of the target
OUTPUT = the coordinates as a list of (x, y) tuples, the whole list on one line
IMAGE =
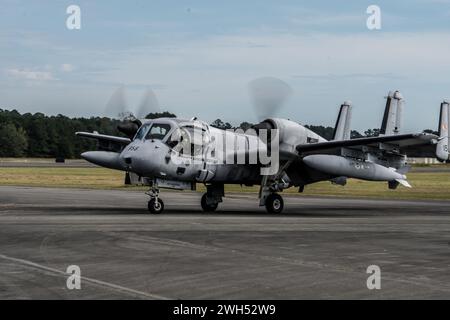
[(275, 154)]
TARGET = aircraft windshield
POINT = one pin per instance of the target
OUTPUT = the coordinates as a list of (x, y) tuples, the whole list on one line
[(158, 131), (142, 131)]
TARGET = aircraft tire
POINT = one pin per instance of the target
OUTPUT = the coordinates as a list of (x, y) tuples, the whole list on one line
[(208, 207), (155, 207), (274, 203)]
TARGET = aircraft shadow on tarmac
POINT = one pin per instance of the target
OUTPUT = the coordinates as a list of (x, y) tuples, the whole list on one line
[(309, 211)]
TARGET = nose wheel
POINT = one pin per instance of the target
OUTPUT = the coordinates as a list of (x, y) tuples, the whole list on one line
[(274, 203), (155, 205)]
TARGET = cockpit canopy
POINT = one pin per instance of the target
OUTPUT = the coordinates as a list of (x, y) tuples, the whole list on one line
[(158, 131), (183, 137), (151, 131)]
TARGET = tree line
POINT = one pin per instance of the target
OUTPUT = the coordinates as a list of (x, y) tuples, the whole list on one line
[(39, 135)]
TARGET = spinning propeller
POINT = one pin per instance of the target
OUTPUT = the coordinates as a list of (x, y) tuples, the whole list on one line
[(117, 107), (268, 96)]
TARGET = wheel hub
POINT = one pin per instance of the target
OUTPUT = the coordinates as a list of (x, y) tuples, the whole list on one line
[(276, 204)]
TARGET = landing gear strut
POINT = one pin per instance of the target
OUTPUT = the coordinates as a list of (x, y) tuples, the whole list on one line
[(212, 197), (267, 194), (155, 204)]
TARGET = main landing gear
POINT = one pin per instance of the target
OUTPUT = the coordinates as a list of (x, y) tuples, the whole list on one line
[(210, 200), (207, 204), (214, 192), (268, 195), (274, 203), (155, 204)]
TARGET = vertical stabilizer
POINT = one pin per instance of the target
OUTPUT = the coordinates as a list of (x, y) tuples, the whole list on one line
[(392, 118), (442, 152), (342, 127)]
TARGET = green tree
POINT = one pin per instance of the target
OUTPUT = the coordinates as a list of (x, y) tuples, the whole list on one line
[(372, 132), (38, 138), (219, 124), (355, 134), (324, 132), (13, 141), (156, 115), (245, 125)]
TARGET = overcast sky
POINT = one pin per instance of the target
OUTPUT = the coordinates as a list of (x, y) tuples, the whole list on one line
[(198, 56)]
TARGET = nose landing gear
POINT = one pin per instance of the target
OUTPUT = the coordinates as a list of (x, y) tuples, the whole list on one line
[(155, 204)]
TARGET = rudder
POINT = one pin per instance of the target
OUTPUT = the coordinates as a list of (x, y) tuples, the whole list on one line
[(342, 127), (442, 152), (392, 118)]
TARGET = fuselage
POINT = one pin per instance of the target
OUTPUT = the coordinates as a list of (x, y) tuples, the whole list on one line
[(191, 150)]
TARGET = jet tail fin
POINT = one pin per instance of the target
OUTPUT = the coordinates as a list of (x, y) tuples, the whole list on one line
[(342, 127), (392, 118), (442, 152)]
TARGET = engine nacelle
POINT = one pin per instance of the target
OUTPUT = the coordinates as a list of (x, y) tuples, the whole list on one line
[(129, 127), (289, 134)]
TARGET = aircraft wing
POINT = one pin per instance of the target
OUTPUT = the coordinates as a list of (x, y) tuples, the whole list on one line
[(104, 137), (412, 144)]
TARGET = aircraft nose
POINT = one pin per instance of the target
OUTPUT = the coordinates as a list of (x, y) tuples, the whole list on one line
[(126, 157), (142, 158), (103, 158)]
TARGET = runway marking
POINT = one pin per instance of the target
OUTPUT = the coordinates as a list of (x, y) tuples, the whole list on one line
[(109, 285)]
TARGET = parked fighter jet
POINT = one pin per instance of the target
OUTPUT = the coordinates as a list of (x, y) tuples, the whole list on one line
[(177, 153)]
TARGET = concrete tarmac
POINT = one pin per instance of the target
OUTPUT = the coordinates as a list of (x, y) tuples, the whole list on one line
[(318, 248)]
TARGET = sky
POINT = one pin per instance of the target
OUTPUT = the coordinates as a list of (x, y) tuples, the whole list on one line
[(199, 56)]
